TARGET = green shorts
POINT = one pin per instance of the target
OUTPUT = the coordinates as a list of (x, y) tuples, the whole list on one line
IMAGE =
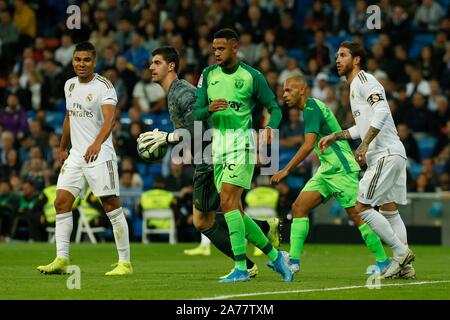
[(240, 175), (342, 186), (206, 198)]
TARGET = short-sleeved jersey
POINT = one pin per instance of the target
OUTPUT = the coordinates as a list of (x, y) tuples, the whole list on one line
[(181, 104), (243, 88), (84, 107), (367, 94), (319, 119)]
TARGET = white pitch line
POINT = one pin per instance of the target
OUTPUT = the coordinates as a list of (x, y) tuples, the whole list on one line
[(242, 295)]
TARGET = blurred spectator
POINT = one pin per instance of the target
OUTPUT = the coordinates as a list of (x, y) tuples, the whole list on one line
[(39, 136), (331, 100), (292, 69), (409, 142), (428, 64), (292, 134), (148, 96), (429, 172), (29, 211), (151, 40), (36, 173), (443, 140), (113, 11), (428, 16), (417, 84), (128, 76), (256, 24), (337, 19), (106, 60), (103, 37), (53, 86), (127, 164), (358, 18), (9, 38), (399, 26), (248, 50), (35, 88), (288, 34), (422, 184), (14, 118), (441, 115), (12, 165), (65, 52), (8, 207), (35, 153), (14, 87), (321, 87), (317, 19), (444, 182), (137, 55), (280, 58), (124, 34), (435, 92), (320, 51), (419, 118), (25, 21)]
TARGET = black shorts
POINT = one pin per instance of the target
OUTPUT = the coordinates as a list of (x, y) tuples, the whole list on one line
[(205, 196)]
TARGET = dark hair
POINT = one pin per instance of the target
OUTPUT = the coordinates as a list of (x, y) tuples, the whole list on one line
[(226, 33), (169, 54), (86, 46), (356, 50)]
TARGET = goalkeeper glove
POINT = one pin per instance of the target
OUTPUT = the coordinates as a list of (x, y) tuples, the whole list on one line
[(154, 139)]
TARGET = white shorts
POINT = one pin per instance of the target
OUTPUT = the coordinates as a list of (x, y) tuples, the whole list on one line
[(103, 178), (384, 182)]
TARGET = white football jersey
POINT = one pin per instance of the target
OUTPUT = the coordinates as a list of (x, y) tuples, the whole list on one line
[(84, 106), (366, 94)]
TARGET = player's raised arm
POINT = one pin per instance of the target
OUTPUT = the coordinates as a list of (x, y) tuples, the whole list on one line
[(302, 153)]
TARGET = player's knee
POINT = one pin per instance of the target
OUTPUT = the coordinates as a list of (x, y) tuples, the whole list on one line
[(360, 207), (228, 204), (62, 205), (298, 211)]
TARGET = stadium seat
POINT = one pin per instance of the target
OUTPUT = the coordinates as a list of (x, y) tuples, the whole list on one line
[(295, 182), (415, 169), (84, 227), (142, 169), (148, 181), (370, 39), (155, 169), (149, 120), (426, 146), (51, 234), (164, 123)]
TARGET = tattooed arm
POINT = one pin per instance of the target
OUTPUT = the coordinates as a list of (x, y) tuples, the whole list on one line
[(360, 153)]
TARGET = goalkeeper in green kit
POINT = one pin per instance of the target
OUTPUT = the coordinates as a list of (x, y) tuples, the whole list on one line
[(226, 93), (336, 177)]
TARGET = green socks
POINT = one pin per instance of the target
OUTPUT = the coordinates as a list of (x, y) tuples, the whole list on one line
[(236, 228), (373, 242), (299, 231), (256, 236)]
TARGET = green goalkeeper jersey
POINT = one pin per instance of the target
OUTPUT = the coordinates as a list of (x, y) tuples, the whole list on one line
[(243, 87), (320, 120)]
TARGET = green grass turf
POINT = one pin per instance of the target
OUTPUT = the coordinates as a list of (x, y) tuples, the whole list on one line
[(162, 271)]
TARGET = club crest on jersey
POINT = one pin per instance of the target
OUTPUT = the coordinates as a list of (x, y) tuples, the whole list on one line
[(89, 97), (238, 83), (72, 85)]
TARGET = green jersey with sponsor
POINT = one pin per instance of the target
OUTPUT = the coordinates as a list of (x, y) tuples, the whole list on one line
[(319, 119), (243, 87)]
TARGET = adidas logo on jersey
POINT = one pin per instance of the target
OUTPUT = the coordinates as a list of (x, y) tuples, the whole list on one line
[(105, 188)]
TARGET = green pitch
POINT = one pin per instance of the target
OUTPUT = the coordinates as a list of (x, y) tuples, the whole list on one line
[(162, 271)]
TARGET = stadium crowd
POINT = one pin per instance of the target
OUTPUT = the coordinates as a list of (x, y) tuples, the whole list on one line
[(409, 55)]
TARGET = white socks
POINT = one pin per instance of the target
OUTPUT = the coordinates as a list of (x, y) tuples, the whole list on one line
[(120, 229), (63, 231), (397, 224), (205, 242), (383, 229)]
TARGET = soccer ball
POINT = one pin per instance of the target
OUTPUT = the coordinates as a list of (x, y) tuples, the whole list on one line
[(156, 155)]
